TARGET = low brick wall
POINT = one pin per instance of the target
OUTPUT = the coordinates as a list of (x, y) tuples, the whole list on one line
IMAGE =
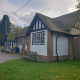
[(64, 57), (41, 58)]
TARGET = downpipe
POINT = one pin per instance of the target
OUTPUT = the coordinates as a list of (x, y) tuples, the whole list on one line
[(56, 46)]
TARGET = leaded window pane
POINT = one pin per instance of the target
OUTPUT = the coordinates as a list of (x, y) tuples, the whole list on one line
[(38, 38)]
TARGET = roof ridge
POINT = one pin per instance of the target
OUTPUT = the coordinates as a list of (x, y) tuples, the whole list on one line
[(67, 14), (44, 15)]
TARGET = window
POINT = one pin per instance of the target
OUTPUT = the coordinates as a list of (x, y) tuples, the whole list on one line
[(38, 38), (37, 24), (42, 26), (34, 27), (20, 41)]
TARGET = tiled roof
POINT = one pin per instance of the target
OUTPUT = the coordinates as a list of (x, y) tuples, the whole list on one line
[(62, 23), (22, 33), (69, 20), (52, 24)]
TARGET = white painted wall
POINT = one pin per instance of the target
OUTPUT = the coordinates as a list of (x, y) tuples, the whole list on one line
[(42, 26), (5, 43), (20, 45), (37, 24), (34, 27), (62, 45), (40, 49), (25, 46), (11, 44)]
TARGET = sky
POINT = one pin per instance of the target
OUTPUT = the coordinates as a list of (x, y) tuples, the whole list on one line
[(50, 8)]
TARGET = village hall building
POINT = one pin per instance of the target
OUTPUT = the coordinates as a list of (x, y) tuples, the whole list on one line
[(52, 38)]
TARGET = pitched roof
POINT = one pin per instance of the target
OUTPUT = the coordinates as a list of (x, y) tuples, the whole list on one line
[(11, 36), (69, 20), (52, 24), (61, 23), (23, 32)]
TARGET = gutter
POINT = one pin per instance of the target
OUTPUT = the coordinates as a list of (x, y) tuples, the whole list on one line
[(56, 45)]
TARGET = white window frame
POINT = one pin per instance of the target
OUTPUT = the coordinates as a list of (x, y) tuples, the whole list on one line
[(38, 38), (20, 43)]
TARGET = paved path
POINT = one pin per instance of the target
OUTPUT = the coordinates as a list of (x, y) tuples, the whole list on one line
[(8, 56)]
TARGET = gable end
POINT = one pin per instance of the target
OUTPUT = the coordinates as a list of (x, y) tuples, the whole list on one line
[(36, 25)]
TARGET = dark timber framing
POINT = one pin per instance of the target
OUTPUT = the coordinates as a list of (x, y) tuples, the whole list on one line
[(34, 23), (45, 26)]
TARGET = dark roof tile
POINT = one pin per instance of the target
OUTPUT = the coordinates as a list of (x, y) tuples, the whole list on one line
[(23, 32), (52, 24)]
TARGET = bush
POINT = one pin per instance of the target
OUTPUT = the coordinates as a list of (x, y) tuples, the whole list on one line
[(2, 50)]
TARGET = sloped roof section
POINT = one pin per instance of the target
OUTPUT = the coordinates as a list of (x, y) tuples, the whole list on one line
[(23, 32), (69, 20), (11, 36), (52, 24)]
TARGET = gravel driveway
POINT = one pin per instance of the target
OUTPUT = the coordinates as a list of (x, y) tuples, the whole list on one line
[(8, 56)]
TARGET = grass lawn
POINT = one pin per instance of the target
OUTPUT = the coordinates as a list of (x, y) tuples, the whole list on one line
[(26, 70)]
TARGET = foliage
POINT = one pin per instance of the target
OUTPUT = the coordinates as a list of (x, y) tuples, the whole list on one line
[(11, 36), (15, 29), (5, 21), (78, 5), (26, 70)]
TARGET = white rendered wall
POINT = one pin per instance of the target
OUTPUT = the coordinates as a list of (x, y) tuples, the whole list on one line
[(11, 44), (62, 45), (40, 49), (25, 45), (37, 24)]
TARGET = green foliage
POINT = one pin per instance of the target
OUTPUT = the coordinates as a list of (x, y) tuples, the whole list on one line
[(11, 36), (78, 5), (5, 20), (15, 29), (26, 70)]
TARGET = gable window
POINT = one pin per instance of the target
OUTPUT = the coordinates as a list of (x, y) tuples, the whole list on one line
[(37, 25), (34, 27), (38, 38), (20, 41), (42, 26)]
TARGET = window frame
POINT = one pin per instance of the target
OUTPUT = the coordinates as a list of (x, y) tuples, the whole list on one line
[(37, 38), (20, 43)]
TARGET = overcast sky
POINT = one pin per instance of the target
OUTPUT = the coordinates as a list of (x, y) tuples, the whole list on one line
[(51, 8)]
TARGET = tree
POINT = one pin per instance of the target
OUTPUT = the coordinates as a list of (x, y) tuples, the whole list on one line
[(15, 29), (78, 5), (5, 21)]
